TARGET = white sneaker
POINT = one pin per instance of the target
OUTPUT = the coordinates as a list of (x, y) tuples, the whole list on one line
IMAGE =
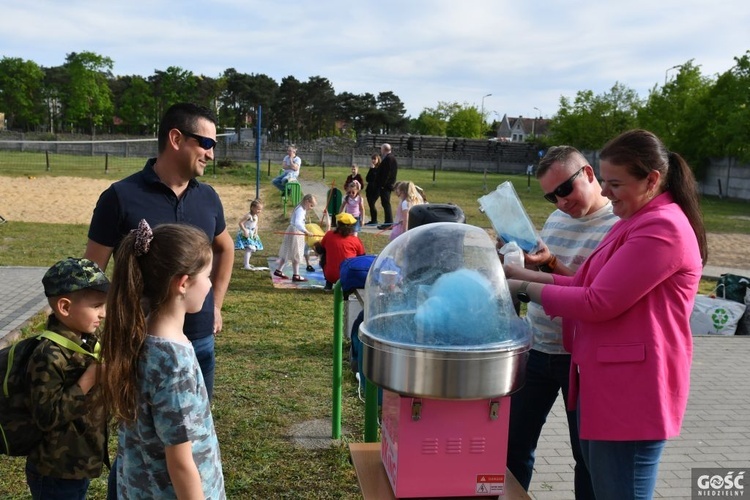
[(249, 268)]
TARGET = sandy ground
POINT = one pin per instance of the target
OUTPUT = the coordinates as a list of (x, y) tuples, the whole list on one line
[(71, 200)]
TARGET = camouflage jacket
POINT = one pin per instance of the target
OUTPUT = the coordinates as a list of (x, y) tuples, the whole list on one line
[(73, 446)]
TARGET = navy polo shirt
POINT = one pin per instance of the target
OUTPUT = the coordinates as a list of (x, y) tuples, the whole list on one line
[(144, 196)]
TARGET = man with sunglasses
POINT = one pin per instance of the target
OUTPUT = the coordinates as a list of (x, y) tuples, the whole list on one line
[(166, 191), (570, 234)]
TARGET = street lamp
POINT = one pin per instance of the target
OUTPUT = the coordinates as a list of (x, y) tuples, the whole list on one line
[(540, 111), (488, 95), (668, 70)]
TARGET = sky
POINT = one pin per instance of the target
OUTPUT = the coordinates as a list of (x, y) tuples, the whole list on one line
[(524, 54)]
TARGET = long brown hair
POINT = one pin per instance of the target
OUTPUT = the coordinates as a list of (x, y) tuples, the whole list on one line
[(641, 152), (141, 286)]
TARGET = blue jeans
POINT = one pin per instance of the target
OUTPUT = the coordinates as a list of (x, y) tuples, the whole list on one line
[(204, 351), (280, 181), (623, 469), (52, 488), (112, 481), (546, 374)]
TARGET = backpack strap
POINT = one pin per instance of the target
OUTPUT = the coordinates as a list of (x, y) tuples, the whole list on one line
[(53, 337), (69, 344)]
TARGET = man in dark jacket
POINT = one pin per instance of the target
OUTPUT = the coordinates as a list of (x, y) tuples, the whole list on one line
[(386, 178)]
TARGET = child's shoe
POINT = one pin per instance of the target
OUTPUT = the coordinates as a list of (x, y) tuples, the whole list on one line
[(280, 274), (310, 269)]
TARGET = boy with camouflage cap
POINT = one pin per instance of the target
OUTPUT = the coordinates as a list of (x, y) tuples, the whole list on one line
[(62, 385)]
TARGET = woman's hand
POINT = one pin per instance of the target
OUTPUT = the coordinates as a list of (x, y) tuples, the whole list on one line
[(511, 272)]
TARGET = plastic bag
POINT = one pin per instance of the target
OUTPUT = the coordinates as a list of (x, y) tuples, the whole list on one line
[(743, 327), (715, 316), (512, 254), (509, 219), (732, 287)]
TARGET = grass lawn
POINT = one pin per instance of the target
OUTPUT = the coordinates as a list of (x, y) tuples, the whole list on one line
[(274, 355)]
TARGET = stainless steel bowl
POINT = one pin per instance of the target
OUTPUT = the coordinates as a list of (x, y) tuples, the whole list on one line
[(442, 372)]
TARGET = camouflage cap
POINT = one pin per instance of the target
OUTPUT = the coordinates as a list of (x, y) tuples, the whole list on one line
[(71, 274)]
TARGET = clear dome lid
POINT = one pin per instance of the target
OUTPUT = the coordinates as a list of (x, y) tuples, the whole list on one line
[(441, 286)]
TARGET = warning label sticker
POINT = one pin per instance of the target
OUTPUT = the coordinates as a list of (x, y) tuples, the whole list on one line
[(490, 484)]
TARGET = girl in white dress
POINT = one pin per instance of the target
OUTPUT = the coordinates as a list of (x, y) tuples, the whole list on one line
[(293, 245)]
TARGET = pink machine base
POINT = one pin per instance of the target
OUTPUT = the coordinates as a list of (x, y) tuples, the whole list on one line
[(444, 448)]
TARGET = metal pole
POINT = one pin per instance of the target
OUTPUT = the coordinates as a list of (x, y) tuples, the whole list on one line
[(667, 72), (488, 95), (106, 163), (338, 342), (257, 155)]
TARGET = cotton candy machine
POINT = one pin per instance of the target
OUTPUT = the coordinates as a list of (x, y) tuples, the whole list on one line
[(442, 338)]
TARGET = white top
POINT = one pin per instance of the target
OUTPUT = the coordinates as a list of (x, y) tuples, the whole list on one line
[(571, 241), (289, 170), (298, 218)]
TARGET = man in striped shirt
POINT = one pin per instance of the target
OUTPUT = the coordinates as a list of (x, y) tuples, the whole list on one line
[(571, 233)]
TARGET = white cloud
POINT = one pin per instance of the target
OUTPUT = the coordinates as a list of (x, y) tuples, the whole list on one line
[(526, 54)]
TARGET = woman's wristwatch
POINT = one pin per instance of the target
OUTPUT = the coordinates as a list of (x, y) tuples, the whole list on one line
[(521, 294)]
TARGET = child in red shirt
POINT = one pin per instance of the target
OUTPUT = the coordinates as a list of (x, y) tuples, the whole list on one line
[(339, 245)]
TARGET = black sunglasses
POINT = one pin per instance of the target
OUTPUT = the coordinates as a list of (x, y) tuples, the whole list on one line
[(563, 189), (204, 142)]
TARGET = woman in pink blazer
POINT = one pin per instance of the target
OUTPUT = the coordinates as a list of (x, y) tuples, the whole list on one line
[(626, 315)]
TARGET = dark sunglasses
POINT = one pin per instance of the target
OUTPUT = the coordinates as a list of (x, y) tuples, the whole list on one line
[(563, 189), (204, 142)]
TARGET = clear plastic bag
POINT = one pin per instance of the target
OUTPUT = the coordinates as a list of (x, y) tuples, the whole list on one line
[(509, 219), (512, 254)]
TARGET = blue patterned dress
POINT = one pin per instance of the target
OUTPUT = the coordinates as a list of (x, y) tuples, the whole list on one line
[(251, 243)]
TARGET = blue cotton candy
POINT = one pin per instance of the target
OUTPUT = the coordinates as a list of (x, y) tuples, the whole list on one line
[(461, 309)]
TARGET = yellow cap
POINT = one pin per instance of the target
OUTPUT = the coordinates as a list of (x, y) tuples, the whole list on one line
[(345, 218)]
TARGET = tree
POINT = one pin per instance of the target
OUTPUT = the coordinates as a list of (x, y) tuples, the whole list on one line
[(591, 120), (55, 82), (22, 93), (392, 112), (207, 91), (172, 86), (429, 123), (466, 122), (290, 109), (727, 129), (134, 105), (358, 111), (320, 108), (87, 102), (434, 121), (730, 109), (677, 114), (235, 101)]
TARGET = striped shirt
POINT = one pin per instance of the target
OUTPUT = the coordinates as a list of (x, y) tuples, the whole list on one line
[(571, 241)]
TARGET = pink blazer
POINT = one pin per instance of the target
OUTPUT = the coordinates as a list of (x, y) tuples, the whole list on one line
[(626, 322)]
